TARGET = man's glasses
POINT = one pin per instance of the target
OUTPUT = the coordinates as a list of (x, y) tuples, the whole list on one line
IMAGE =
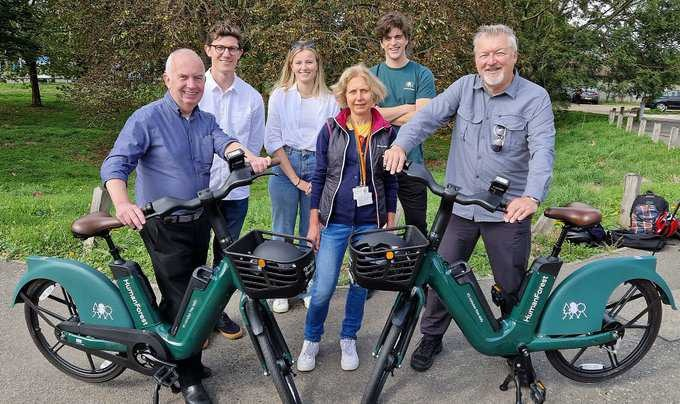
[(498, 138), (303, 45), (221, 49)]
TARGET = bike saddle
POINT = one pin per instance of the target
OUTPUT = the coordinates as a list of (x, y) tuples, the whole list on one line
[(277, 250), (96, 224), (575, 214)]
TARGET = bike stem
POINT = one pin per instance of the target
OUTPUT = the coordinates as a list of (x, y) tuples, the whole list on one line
[(441, 220), (216, 219)]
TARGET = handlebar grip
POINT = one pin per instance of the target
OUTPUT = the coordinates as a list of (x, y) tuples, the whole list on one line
[(148, 209)]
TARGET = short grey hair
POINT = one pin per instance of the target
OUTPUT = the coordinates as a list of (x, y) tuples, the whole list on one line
[(168, 62), (495, 30)]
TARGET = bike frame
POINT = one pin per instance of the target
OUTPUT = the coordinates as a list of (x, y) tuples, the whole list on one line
[(532, 324)]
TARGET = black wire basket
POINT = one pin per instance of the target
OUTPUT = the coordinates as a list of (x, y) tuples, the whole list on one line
[(267, 273), (387, 259)]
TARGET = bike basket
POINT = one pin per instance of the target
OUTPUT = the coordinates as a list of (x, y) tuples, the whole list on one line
[(272, 265), (387, 259)]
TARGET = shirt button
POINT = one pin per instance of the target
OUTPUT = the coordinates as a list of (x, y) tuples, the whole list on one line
[(476, 176), (479, 157)]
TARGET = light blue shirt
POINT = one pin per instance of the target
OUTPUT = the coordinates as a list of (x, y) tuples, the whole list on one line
[(527, 155), (172, 154)]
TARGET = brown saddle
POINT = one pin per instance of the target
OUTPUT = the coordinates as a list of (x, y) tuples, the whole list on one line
[(575, 214), (94, 225)]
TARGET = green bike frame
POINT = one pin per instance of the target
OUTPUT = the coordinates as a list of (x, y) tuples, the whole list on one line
[(541, 320), (101, 303)]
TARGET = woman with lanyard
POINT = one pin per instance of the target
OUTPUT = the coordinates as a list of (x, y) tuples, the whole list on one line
[(298, 107), (350, 192)]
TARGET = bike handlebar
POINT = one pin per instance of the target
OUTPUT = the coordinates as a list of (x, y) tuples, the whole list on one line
[(491, 200), (241, 175)]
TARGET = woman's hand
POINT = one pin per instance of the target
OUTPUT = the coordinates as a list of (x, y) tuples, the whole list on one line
[(391, 216), (314, 232), (304, 186)]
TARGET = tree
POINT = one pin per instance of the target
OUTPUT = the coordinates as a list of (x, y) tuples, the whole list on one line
[(20, 24), (644, 50)]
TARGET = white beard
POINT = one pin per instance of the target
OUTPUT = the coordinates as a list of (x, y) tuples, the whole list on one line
[(495, 79)]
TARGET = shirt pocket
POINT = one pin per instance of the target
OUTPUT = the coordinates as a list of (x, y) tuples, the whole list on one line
[(466, 125), (206, 153), (516, 131)]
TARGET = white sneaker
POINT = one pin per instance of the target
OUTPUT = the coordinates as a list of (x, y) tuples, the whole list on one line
[(307, 300), (350, 359), (280, 305), (307, 359)]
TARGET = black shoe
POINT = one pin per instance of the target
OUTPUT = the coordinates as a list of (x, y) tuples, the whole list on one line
[(195, 394), (228, 328), (423, 357), (206, 372)]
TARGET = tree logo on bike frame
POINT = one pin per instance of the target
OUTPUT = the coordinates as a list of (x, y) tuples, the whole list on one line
[(574, 310), (102, 311)]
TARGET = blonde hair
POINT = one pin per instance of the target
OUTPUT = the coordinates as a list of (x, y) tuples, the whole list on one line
[(287, 79), (358, 70)]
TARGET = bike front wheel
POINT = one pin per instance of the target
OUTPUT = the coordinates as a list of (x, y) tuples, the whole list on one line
[(51, 304), (385, 364), (634, 311), (279, 369)]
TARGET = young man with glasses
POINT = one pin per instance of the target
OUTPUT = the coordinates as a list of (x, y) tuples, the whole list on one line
[(503, 126), (410, 86), (239, 110)]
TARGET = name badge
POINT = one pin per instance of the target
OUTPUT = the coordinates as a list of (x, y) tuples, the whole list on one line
[(362, 196)]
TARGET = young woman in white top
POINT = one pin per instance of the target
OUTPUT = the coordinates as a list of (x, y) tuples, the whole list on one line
[(298, 107)]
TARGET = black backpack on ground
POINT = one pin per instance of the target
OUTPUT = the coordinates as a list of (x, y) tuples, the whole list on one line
[(642, 235)]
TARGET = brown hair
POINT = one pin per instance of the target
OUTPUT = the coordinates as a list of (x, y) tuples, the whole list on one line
[(393, 19), (224, 28)]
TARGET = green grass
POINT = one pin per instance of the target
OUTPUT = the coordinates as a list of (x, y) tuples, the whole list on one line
[(50, 158)]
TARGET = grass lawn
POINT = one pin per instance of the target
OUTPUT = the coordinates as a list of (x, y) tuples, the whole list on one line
[(50, 158)]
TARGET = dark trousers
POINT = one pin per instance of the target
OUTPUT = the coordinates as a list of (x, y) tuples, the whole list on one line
[(507, 245), (234, 212), (176, 250), (413, 197)]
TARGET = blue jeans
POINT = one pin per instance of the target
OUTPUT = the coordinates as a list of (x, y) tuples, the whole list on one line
[(332, 246), (288, 202), (234, 212)]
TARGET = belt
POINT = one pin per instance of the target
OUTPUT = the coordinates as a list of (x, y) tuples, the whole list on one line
[(182, 218), (304, 152)]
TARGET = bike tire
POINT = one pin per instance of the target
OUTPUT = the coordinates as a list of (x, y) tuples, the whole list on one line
[(281, 374), (386, 362), (73, 362), (637, 344)]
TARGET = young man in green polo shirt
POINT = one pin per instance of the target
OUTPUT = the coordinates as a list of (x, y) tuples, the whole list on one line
[(410, 86)]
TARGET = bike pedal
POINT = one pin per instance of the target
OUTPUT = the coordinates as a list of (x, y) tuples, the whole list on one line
[(538, 392)]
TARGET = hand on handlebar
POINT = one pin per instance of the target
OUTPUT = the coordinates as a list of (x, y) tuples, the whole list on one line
[(130, 215), (394, 159), (259, 164), (519, 209)]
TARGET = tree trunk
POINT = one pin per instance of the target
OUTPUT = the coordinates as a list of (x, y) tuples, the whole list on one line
[(35, 88)]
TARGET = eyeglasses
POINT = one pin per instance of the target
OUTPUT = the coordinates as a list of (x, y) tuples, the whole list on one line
[(303, 45), (220, 49), (498, 138)]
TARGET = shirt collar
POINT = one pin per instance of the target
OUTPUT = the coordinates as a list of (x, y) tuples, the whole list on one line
[(211, 85), (511, 90), (170, 103)]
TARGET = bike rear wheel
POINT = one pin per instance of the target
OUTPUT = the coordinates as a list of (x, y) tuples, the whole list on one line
[(279, 369), (53, 304), (385, 364), (634, 310)]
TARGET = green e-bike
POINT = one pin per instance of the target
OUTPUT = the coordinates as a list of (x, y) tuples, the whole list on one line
[(596, 324), (92, 329)]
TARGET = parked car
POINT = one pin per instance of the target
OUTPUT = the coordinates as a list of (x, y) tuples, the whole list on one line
[(585, 95), (669, 99)]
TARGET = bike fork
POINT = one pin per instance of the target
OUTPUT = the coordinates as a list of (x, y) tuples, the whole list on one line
[(522, 373), (404, 315)]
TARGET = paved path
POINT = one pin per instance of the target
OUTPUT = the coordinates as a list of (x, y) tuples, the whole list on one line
[(460, 375)]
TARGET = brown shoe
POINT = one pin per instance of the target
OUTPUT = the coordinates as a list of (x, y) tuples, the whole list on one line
[(228, 328)]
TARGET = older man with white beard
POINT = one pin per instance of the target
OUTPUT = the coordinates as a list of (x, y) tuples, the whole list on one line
[(504, 126)]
